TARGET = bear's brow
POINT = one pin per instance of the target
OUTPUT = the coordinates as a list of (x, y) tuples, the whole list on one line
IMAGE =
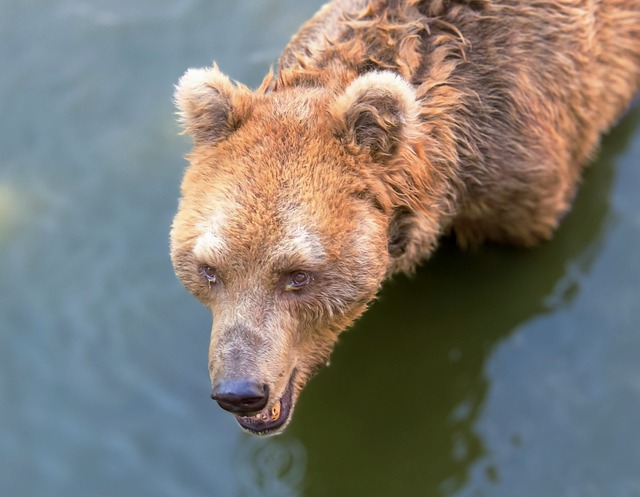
[(208, 244), (301, 246), (211, 242)]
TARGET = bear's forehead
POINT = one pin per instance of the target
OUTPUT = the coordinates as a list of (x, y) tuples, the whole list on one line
[(258, 198), (239, 231)]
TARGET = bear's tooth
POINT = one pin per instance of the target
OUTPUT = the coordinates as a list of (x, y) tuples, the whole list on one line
[(275, 411)]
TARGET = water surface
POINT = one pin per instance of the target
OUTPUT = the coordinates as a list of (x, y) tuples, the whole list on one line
[(496, 373)]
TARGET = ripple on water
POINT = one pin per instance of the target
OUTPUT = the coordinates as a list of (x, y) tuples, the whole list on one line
[(271, 467)]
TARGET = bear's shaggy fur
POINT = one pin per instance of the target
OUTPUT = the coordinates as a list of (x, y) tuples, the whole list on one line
[(387, 125)]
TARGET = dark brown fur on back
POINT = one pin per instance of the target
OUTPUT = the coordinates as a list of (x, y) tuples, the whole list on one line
[(514, 95)]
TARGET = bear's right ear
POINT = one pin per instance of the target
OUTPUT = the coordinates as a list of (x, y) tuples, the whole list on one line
[(210, 106), (377, 112)]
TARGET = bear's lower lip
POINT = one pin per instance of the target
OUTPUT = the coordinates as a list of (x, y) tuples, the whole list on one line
[(274, 416)]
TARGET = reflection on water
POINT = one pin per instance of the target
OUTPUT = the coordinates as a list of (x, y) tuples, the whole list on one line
[(584, 402), (498, 373), (271, 468), (551, 407), (590, 215)]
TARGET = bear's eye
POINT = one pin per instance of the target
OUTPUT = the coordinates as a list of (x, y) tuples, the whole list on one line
[(209, 274), (297, 279)]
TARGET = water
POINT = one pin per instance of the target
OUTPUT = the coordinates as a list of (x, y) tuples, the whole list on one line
[(496, 373)]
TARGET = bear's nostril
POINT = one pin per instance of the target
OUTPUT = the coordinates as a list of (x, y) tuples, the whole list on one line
[(241, 397)]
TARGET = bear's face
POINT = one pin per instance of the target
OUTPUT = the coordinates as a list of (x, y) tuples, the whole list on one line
[(282, 230)]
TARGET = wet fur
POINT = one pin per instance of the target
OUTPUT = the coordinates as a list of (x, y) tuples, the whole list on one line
[(387, 125), (514, 97)]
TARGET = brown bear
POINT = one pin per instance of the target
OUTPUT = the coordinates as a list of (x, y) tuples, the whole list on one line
[(387, 125)]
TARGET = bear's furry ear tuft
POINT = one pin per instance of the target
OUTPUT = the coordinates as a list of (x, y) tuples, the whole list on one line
[(210, 106), (376, 112)]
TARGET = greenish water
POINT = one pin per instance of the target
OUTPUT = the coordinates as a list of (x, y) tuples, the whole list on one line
[(498, 373)]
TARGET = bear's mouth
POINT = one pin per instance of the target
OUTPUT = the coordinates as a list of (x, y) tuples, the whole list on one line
[(273, 417)]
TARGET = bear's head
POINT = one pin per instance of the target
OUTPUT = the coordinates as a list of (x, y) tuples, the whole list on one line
[(288, 223)]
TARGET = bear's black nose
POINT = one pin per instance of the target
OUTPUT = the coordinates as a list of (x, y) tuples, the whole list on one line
[(241, 397)]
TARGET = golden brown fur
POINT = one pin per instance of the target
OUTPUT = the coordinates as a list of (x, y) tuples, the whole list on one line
[(387, 125)]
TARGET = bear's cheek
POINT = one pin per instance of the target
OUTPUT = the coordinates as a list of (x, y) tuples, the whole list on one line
[(368, 251)]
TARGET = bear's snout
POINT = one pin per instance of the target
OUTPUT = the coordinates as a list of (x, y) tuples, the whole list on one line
[(241, 397)]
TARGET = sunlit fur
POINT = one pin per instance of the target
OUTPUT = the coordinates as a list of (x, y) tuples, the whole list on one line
[(386, 126)]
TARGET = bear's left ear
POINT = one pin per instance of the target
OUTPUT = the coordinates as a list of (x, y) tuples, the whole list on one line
[(210, 106), (376, 112)]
